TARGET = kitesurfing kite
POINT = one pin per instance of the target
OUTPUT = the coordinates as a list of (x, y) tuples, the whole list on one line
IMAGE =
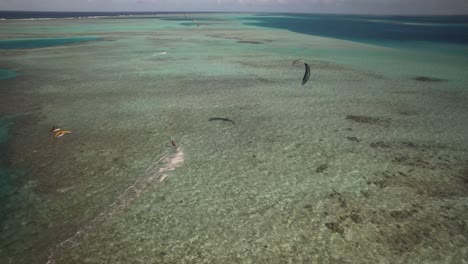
[(221, 119), (307, 70)]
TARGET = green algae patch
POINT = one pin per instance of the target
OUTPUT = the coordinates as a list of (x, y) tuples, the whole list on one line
[(42, 42)]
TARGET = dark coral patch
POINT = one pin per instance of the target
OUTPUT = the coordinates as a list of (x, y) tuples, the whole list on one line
[(368, 119), (249, 42), (379, 144), (354, 139), (321, 168), (335, 227), (429, 79)]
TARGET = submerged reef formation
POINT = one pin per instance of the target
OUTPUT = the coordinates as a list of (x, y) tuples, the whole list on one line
[(429, 79)]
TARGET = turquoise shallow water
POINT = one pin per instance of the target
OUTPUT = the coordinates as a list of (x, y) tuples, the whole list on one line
[(365, 163), (41, 42), (6, 74)]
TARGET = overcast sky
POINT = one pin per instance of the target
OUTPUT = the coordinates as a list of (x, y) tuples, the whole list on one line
[(312, 6)]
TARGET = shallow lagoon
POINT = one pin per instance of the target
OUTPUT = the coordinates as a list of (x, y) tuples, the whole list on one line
[(41, 42), (365, 163)]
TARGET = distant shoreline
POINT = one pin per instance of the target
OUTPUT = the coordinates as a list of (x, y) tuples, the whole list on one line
[(32, 15), (43, 15)]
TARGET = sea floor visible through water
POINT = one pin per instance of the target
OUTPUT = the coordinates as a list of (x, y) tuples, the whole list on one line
[(365, 163)]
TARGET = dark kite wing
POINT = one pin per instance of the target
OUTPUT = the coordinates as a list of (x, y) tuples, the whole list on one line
[(221, 119), (306, 74)]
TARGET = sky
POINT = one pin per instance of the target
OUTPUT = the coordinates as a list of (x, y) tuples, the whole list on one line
[(304, 6)]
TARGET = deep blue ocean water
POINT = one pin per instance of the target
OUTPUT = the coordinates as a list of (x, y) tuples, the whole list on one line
[(371, 29)]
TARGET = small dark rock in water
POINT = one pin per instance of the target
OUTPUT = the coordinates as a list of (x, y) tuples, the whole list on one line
[(321, 168), (249, 42), (379, 144), (401, 158), (403, 174), (355, 217), (366, 119), (340, 198), (409, 144), (400, 215), (429, 79), (354, 139), (464, 176), (335, 194), (365, 193), (408, 113), (335, 227)]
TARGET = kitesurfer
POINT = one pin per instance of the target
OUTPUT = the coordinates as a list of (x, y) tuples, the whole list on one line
[(58, 132)]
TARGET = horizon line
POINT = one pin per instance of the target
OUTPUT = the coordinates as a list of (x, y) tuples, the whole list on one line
[(268, 12)]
